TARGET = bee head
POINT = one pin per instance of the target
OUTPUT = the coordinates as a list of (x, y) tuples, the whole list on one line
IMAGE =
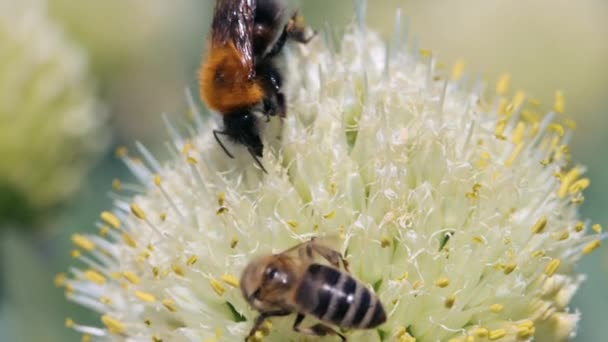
[(265, 281), (242, 127)]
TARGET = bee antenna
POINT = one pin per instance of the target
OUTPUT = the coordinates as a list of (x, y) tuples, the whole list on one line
[(257, 160), (215, 133)]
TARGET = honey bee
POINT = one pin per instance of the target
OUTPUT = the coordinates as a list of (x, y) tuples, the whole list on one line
[(238, 76), (284, 283)]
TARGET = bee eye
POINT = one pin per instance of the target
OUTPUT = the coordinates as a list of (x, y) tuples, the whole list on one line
[(270, 273)]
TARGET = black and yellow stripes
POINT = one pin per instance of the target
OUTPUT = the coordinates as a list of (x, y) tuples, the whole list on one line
[(336, 297)]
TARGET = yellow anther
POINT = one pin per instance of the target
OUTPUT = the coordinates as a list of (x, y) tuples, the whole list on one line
[(83, 242), (145, 297), (85, 338), (579, 226), (121, 152), (514, 154), (330, 215), (110, 219), (75, 253), (156, 339), (157, 180), (597, 228), (217, 287), (192, 260), (69, 323), (559, 105), (478, 239), (292, 224), (564, 235), (186, 148), (131, 277), (497, 334), (162, 217), (526, 324), (234, 241), (221, 210), (137, 211), (169, 305), (385, 242), (458, 69), (116, 184), (221, 198), (426, 52), (552, 267), (502, 86), (177, 270), (126, 238), (230, 280), (114, 326), (496, 308), (557, 128), (95, 277), (567, 180), (591, 246), (105, 300), (509, 267), (442, 282), (571, 124), (480, 332), (404, 276), (519, 99), (518, 134), (192, 160), (218, 331), (524, 333), (579, 185), (103, 230), (449, 301), (540, 225), (500, 129), (60, 279)]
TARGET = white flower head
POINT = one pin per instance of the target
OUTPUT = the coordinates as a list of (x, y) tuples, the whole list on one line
[(460, 214), (50, 121)]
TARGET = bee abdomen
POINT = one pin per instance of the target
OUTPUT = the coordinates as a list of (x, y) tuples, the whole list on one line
[(336, 297)]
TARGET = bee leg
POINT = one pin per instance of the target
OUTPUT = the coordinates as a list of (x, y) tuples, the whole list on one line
[(316, 330), (257, 160), (274, 103), (296, 29), (215, 133), (261, 318), (332, 256)]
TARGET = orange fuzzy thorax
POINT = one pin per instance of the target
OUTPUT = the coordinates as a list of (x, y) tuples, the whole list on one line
[(224, 81)]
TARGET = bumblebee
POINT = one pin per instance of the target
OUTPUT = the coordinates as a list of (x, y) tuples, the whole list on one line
[(293, 282), (238, 77)]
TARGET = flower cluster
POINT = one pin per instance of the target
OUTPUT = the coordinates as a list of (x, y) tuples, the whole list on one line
[(50, 119), (459, 211)]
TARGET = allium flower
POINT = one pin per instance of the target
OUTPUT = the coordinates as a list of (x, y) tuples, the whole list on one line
[(460, 214), (49, 118)]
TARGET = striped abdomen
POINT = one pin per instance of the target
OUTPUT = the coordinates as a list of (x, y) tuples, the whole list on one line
[(336, 297)]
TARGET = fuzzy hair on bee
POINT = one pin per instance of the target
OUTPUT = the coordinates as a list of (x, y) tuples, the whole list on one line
[(238, 76), (294, 282)]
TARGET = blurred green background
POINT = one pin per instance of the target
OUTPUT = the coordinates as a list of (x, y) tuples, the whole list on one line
[(144, 53)]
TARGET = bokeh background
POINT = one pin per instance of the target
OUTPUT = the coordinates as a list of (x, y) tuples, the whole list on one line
[(143, 55)]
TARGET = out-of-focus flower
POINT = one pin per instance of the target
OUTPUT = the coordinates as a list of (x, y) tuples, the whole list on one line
[(136, 49), (50, 121), (460, 212)]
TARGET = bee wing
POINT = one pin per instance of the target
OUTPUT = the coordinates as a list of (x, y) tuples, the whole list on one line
[(233, 21)]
